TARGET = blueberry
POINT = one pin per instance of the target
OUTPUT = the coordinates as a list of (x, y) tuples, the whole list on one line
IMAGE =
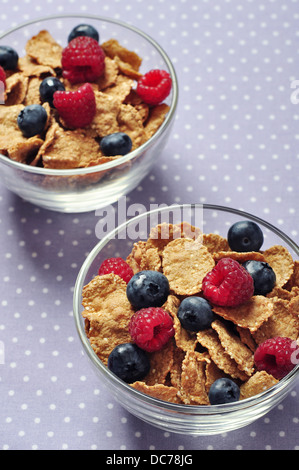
[(264, 277), (84, 30), (148, 289), (129, 362), (117, 143), (223, 391), (8, 58), (48, 87), (195, 314), (32, 120), (245, 236)]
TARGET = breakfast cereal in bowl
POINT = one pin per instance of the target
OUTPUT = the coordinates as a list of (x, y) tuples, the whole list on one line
[(196, 318)]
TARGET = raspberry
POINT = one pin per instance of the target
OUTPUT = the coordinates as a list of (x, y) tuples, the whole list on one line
[(83, 60), (277, 356), (2, 77), (117, 266), (154, 86), (228, 284), (76, 108), (151, 328)]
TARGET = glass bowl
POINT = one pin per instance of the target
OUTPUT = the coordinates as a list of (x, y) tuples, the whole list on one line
[(177, 418), (86, 189)]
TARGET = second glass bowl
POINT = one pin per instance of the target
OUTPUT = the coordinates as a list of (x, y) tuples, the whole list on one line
[(87, 189)]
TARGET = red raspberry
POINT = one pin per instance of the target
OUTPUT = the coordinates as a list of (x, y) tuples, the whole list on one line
[(2, 77), (228, 284), (154, 86), (117, 266), (83, 60), (277, 356), (151, 328), (76, 108)]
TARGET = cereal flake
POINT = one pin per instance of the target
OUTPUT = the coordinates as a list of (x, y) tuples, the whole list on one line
[(185, 264), (281, 261), (250, 315), (108, 312), (258, 383)]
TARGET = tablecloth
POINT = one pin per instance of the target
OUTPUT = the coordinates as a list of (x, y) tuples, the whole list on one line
[(234, 142)]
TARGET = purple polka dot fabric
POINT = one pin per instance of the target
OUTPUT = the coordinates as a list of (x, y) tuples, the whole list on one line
[(234, 143)]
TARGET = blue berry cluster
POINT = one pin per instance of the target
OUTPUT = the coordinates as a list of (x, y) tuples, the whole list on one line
[(145, 289)]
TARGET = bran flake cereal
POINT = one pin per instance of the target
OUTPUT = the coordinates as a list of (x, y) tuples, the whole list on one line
[(247, 338), (154, 118), (293, 307), (62, 148), (44, 50), (281, 323), (30, 68), (209, 339), (282, 293), (118, 109), (185, 368), (160, 391), (108, 312), (250, 315), (110, 75), (281, 262), (33, 95), (176, 370), (213, 373), (293, 282), (234, 347), (151, 260), (128, 61), (16, 89), (193, 390), (185, 264), (105, 120), (121, 88), (215, 243), (161, 365), (259, 382), (185, 340), (240, 257), (135, 257), (131, 123)]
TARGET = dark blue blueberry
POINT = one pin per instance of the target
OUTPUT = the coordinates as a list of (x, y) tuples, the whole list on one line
[(84, 30), (8, 58), (245, 236), (223, 391), (117, 143), (195, 314), (129, 362), (148, 289), (48, 87), (32, 120), (264, 277)]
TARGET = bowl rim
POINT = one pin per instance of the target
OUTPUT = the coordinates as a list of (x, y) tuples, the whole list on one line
[(135, 153), (240, 405)]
